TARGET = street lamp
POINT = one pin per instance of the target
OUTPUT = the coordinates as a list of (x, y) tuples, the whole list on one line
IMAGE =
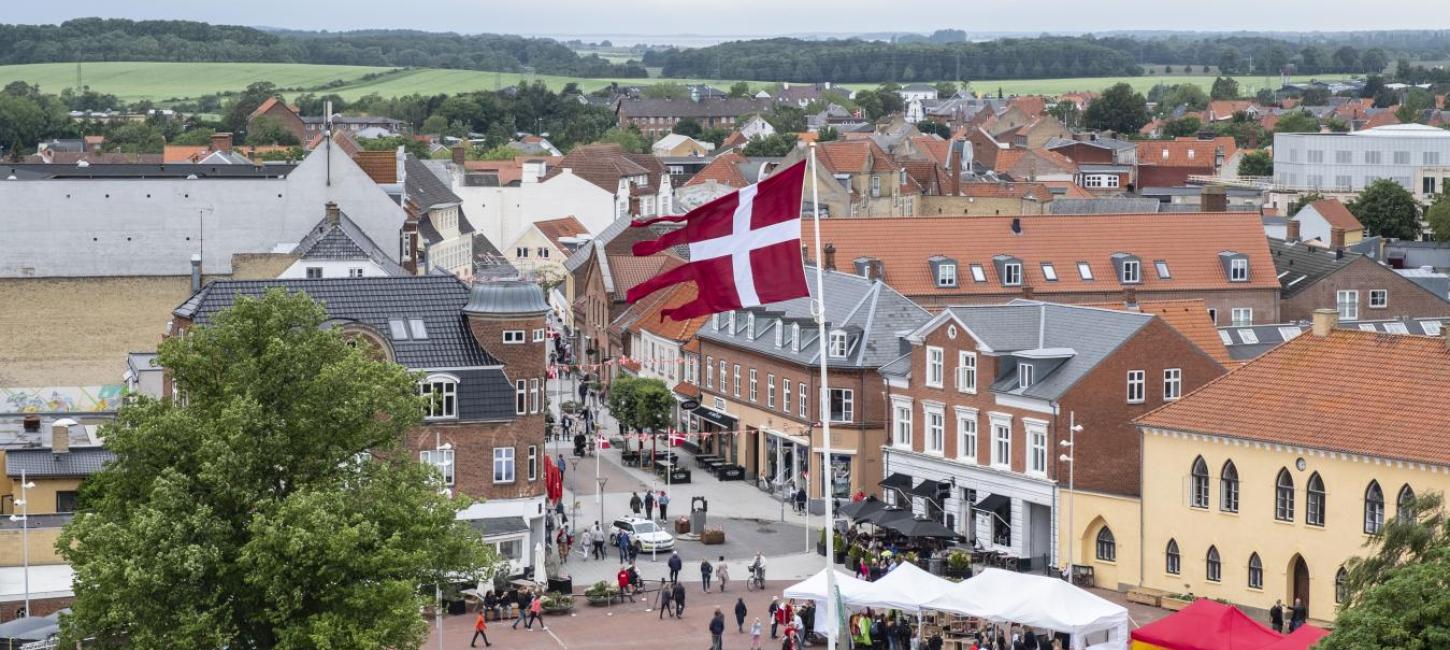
[(1070, 458), (439, 447), (24, 519)]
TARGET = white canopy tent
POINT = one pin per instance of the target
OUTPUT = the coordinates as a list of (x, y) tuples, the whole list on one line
[(1040, 602), (814, 588), (905, 587)]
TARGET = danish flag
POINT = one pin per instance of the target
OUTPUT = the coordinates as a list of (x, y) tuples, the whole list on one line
[(745, 248)]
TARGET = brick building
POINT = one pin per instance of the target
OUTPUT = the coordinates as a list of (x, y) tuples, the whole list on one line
[(983, 400), (1221, 258), (479, 350), (656, 118), (1356, 286)]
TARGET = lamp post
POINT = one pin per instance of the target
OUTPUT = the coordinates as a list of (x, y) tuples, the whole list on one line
[(439, 447), (1071, 459), (24, 519)]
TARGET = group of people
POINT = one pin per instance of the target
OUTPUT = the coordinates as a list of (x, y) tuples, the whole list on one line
[(648, 503), (531, 610), (877, 630), (1298, 615)]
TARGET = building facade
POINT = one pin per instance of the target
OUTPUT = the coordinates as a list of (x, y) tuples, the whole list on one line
[(1415, 156)]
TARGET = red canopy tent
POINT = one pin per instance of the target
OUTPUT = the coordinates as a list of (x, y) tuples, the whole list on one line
[(1206, 625), (1302, 639)]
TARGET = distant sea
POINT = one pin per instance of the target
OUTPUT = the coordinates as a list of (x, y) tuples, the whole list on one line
[(679, 40)]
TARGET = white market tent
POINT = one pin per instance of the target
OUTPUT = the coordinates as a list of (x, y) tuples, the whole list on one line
[(1040, 602), (814, 588), (906, 587)]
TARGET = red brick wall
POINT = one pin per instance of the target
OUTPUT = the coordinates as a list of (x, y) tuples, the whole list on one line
[(38, 607), (288, 119), (1405, 297), (473, 445), (1082, 153), (1162, 176), (1264, 302)]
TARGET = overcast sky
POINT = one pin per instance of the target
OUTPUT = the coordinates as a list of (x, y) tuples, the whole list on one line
[(756, 17)]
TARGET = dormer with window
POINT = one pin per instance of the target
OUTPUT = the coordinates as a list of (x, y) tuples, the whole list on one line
[(779, 333), (441, 393), (795, 337), (1129, 268), (1009, 270), (717, 320), (839, 344), (943, 271), (750, 325), (730, 322), (1235, 266), (1024, 375)]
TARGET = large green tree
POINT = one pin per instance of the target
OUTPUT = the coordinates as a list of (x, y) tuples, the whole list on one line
[(1256, 163), (1120, 109), (641, 404), (1297, 122), (271, 505), (1398, 596), (1224, 88), (1387, 210), (771, 146), (1438, 217)]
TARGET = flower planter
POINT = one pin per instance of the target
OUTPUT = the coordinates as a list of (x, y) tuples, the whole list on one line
[(712, 537), (599, 601), (1173, 604), (821, 549), (682, 526)]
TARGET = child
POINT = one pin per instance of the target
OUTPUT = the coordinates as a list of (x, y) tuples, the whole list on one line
[(755, 630)]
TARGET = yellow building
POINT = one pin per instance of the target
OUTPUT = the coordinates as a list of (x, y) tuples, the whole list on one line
[(1262, 484)]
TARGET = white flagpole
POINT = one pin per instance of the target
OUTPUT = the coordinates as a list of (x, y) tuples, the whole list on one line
[(825, 409)]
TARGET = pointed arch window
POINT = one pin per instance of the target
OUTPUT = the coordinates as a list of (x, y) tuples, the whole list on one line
[(1405, 503), (1284, 496), (1341, 586), (1314, 501), (1256, 572), (1107, 546), (1199, 493), (1374, 509), (1172, 561), (1215, 566), (1228, 488)]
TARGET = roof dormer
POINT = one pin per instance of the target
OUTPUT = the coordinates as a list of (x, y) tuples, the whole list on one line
[(1129, 268), (1009, 270), (1235, 266), (943, 271)]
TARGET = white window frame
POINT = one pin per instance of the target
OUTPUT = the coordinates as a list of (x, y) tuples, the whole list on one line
[(539, 335), (533, 462), (848, 403), (1172, 384), (521, 396), (967, 434), (445, 405), (1085, 270), (785, 395), (946, 275), (441, 460), (1012, 274), (735, 379), (1132, 272), (514, 337), (1241, 317), (355, 271), (1024, 375), (1001, 440), (934, 429), (754, 387), (839, 344), (966, 372), (1036, 446), (504, 465), (805, 406), (978, 273), (901, 422), (1346, 302), (1379, 298), (1049, 271), (770, 391), (536, 401), (1137, 386), (1238, 270), (935, 366)]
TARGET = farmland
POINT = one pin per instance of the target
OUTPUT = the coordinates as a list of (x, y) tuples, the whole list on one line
[(161, 82)]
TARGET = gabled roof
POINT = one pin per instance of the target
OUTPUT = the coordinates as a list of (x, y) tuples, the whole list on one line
[(1283, 397), (853, 156), (1299, 266), (1336, 214), (425, 188), (605, 164), (556, 229), (344, 241), (1026, 164), (1184, 152), (1190, 317), (44, 463), (723, 169), (1190, 244), (267, 105)]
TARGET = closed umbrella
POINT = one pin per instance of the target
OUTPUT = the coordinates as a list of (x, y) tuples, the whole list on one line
[(541, 576)]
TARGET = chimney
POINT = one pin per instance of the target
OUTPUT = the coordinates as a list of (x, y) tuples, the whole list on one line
[(830, 257), (1291, 230), (1130, 298), (958, 148), (1214, 198), (1016, 226), (1336, 239), (1027, 292), (460, 154), (60, 437), (221, 142), (1325, 320), (195, 272), (334, 215)]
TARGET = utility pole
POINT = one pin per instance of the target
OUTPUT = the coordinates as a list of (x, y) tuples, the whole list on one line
[(1071, 459)]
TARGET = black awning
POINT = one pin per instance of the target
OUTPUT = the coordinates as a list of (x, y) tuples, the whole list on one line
[(993, 503), (897, 481), (927, 488), (716, 418)]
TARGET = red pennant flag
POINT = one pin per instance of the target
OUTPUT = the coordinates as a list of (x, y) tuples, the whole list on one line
[(745, 249)]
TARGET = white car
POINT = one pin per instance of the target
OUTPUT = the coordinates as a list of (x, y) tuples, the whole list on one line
[(644, 534)]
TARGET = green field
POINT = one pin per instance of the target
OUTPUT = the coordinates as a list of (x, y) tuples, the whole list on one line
[(164, 81)]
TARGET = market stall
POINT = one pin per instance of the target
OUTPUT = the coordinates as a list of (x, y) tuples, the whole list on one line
[(814, 589), (1039, 602), (905, 587), (1205, 625)]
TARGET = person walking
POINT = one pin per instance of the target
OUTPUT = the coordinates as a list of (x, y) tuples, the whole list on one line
[(1276, 616), (664, 503), (1299, 617), (740, 615), (675, 565), (635, 503), (717, 629), (597, 535), (755, 629), (678, 592), (721, 573), (705, 572), (536, 613), (666, 602), (524, 600), (649, 505), (560, 462), (586, 543), (480, 629), (622, 540), (800, 500)]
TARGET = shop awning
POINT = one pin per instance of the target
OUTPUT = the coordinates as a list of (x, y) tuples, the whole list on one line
[(897, 481), (716, 418), (927, 488), (993, 503)]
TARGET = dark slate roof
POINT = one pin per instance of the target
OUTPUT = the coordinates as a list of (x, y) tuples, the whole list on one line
[(135, 171), (424, 186), (1107, 205), (437, 300), (1299, 266), (873, 315), (1245, 343), (43, 463), (344, 241)]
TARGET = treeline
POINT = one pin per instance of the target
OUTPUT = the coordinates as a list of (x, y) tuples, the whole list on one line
[(857, 61), (98, 39)]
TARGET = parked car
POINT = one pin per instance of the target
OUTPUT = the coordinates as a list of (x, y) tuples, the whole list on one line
[(647, 535)]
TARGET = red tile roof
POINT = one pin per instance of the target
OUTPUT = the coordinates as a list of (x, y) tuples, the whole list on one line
[(381, 166), (723, 169), (1190, 318), (1030, 163), (851, 157), (629, 270), (1190, 243), (1337, 215), (1369, 393), (605, 164), (1184, 152), (652, 319), (1037, 191), (556, 229), (933, 147)]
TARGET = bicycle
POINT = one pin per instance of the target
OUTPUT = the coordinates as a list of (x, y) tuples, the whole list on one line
[(756, 579)]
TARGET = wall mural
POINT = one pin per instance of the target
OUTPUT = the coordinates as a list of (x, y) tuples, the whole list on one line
[(62, 399)]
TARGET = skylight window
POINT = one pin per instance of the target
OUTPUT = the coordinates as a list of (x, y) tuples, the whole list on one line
[(1431, 327), (1367, 327), (1223, 335), (1049, 272), (1289, 333), (398, 329), (419, 331), (1396, 328), (1248, 336), (1085, 270), (1162, 268), (978, 274)]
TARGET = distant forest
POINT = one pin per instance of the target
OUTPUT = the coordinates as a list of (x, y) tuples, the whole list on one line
[(938, 58), (98, 39)]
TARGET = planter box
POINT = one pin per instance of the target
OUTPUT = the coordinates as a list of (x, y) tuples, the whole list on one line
[(599, 601), (712, 537), (682, 526), (840, 558), (1173, 604), (1143, 598), (680, 476)]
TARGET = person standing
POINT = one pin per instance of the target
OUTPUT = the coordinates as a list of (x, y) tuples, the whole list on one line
[(1276, 616), (800, 500), (675, 565), (666, 602), (678, 592), (560, 462), (635, 503), (773, 612), (755, 629), (586, 543), (1299, 617), (664, 502), (705, 572), (525, 599), (649, 505), (722, 573), (622, 540), (717, 629), (740, 615), (480, 629)]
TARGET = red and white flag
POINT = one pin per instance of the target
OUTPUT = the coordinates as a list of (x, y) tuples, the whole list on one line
[(745, 249)]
